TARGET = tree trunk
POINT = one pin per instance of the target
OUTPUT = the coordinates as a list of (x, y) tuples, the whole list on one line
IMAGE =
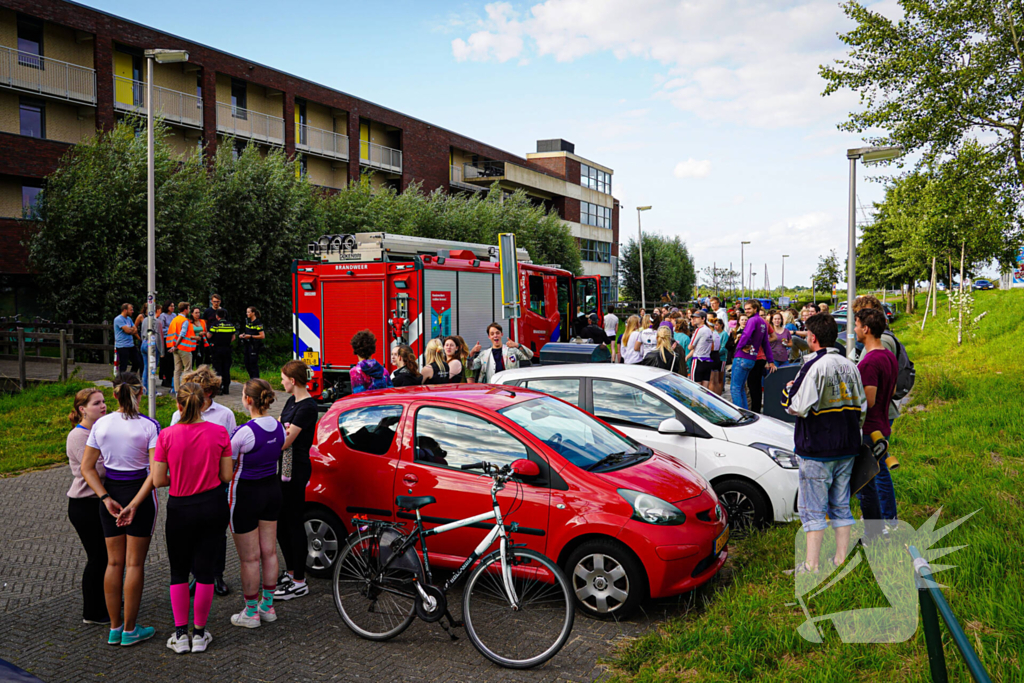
[(930, 298), (960, 308), (935, 291), (949, 285)]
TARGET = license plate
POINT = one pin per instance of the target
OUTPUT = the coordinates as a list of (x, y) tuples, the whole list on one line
[(311, 358), (721, 541)]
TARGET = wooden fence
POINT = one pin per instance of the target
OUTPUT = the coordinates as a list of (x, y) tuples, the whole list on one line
[(18, 338)]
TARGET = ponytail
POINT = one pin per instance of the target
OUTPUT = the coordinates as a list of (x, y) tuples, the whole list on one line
[(127, 388), (191, 399), (261, 393), (81, 400)]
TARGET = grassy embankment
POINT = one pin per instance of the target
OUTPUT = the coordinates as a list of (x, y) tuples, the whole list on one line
[(34, 424), (961, 448)]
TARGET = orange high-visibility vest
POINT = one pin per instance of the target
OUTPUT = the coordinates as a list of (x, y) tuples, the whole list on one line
[(181, 332)]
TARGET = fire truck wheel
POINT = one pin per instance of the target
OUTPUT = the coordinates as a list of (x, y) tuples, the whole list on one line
[(325, 536)]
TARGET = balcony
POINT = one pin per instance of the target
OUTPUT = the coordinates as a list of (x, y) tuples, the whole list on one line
[(513, 176), (488, 171), (458, 179), (27, 72), (170, 105), (245, 124), (322, 143), (382, 158)]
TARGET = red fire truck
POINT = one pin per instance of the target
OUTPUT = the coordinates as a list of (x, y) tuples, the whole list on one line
[(410, 290)]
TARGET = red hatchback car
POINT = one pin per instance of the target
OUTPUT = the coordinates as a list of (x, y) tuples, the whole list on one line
[(623, 521)]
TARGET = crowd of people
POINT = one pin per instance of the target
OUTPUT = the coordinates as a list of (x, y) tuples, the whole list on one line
[(186, 337), (250, 480)]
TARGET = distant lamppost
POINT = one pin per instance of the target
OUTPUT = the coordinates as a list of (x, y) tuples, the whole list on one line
[(784, 257), (867, 155), (640, 233), (164, 57), (742, 288)]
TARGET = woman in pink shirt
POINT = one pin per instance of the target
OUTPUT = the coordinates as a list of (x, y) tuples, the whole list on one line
[(194, 458)]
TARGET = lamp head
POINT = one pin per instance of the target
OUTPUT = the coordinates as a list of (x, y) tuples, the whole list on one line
[(643, 208), (873, 154), (168, 56)]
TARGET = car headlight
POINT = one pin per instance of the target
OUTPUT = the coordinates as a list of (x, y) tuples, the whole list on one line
[(651, 509), (782, 457)]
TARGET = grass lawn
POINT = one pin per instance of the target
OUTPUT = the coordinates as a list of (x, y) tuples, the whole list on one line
[(34, 424), (961, 449)]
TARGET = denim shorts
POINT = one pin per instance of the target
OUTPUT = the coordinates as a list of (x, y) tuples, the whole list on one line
[(825, 490)]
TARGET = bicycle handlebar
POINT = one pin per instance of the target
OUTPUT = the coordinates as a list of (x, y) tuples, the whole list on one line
[(490, 469), (476, 466)]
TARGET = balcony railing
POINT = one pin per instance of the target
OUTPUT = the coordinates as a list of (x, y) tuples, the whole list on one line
[(458, 179), (41, 75), (377, 156), (482, 170), (321, 142), (170, 105), (249, 125)]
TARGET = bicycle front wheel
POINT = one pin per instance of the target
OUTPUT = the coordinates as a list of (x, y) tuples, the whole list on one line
[(518, 638), (374, 606)]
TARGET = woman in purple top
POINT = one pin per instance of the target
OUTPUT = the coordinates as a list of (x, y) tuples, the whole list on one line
[(779, 339), (254, 499), (753, 339)]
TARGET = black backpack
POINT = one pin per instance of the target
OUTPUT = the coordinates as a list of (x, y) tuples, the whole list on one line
[(906, 376)]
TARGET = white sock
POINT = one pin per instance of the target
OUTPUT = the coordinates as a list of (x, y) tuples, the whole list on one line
[(299, 583)]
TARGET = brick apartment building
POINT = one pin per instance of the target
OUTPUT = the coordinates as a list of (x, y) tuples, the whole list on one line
[(67, 70)]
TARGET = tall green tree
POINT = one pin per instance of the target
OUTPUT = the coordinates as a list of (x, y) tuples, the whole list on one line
[(947, 72), (828, 272), (668, 267), (90, 249)]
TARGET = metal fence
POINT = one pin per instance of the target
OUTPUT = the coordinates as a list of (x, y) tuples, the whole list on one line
[(321, 142), (249, 125), (170, 105), (378, 156), (45, 76)]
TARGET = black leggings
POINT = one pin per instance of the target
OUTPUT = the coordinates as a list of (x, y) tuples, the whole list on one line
[(291, 531), (754, 380), (195, 529), (84, 514)]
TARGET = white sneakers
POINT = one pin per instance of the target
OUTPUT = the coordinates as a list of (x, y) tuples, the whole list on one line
[(179, 645), (245, 621), (199, 643)]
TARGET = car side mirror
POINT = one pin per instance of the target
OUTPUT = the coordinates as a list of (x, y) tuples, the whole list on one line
[(525, 468), (671, 426)]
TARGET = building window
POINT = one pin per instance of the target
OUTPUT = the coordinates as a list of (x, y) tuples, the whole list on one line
[(29, 199), (595, 250), (33, 118), (301, 134), (238, 100), (596, 215), (595, 179), (30, 42)]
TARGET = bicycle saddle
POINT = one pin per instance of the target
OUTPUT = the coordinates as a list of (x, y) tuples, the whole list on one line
[(413, 502)]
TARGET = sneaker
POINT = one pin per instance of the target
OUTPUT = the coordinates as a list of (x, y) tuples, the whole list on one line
[(267, 614), (245, 621), (97, 622), (115, 636), (291, 590), (284, 580), (199, 643), (141, 633), (179, 645)]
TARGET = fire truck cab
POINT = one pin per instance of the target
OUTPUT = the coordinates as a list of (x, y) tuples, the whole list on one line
[(409, 290)]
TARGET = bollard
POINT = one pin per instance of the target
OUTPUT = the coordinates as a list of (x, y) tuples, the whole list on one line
[(932, 634), (21, 358), (63, 356)]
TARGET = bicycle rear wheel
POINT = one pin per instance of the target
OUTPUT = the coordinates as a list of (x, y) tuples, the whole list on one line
[(524, 637), (375, 607)]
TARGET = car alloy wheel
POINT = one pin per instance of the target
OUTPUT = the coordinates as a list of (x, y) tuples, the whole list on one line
[(324, 538), (601, 583), (744, 504)]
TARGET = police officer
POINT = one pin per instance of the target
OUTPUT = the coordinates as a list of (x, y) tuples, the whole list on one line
[(222, 333), (252, 341)]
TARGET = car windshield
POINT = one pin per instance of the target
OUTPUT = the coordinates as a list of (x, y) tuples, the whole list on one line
[(706, 404), (574, 434)]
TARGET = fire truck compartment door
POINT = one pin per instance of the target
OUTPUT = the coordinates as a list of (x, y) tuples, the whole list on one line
[(351, 305), (476, 306), (441, 304)]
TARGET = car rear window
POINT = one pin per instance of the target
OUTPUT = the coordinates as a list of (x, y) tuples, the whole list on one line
[(371, 429)]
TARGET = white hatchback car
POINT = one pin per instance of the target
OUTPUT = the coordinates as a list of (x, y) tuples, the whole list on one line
[(748, 458)]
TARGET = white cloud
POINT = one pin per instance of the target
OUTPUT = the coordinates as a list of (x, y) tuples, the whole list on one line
[(752, 62), (693, 168)]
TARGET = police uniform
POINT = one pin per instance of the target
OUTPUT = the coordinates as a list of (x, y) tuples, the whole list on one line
[(221, 334), (251, 347)]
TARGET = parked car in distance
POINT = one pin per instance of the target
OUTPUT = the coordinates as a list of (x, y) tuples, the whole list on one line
[(625, 521), (748, 458), (983, 284)]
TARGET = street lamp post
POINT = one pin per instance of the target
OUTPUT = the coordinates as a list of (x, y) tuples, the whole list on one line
[(784, 257), (640, 234), (867, 155), (742, 289), (162, 56)]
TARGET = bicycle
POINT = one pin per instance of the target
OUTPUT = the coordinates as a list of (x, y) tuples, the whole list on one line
[(517, 606)]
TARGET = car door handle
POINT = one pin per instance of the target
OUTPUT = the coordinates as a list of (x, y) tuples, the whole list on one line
[(410, 479)]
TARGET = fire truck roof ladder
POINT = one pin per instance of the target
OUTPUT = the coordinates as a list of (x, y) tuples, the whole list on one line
[(380, 246)]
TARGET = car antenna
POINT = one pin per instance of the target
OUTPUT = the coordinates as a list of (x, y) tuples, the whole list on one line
[(511, 393)]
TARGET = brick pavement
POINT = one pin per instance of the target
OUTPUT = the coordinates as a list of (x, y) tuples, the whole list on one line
[(40, 600)]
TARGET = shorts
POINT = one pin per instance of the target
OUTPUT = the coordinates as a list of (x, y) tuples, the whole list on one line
[(144, 522), (716, 360), (700, 370), (252, 501), (825, 489)]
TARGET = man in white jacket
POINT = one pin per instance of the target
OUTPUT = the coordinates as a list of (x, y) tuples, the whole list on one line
[(499, 357)]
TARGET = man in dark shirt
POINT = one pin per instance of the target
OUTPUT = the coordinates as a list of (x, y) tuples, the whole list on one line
[(210, 314), (222, 333), (594, 332), (878, 371)]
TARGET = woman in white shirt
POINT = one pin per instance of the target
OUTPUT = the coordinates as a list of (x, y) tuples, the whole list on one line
[(631, 341), (126, 440)]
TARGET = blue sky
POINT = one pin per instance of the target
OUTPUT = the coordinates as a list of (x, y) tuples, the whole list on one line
[(708, 110)]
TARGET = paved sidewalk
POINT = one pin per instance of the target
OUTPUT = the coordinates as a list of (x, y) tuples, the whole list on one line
[(41, 561)]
